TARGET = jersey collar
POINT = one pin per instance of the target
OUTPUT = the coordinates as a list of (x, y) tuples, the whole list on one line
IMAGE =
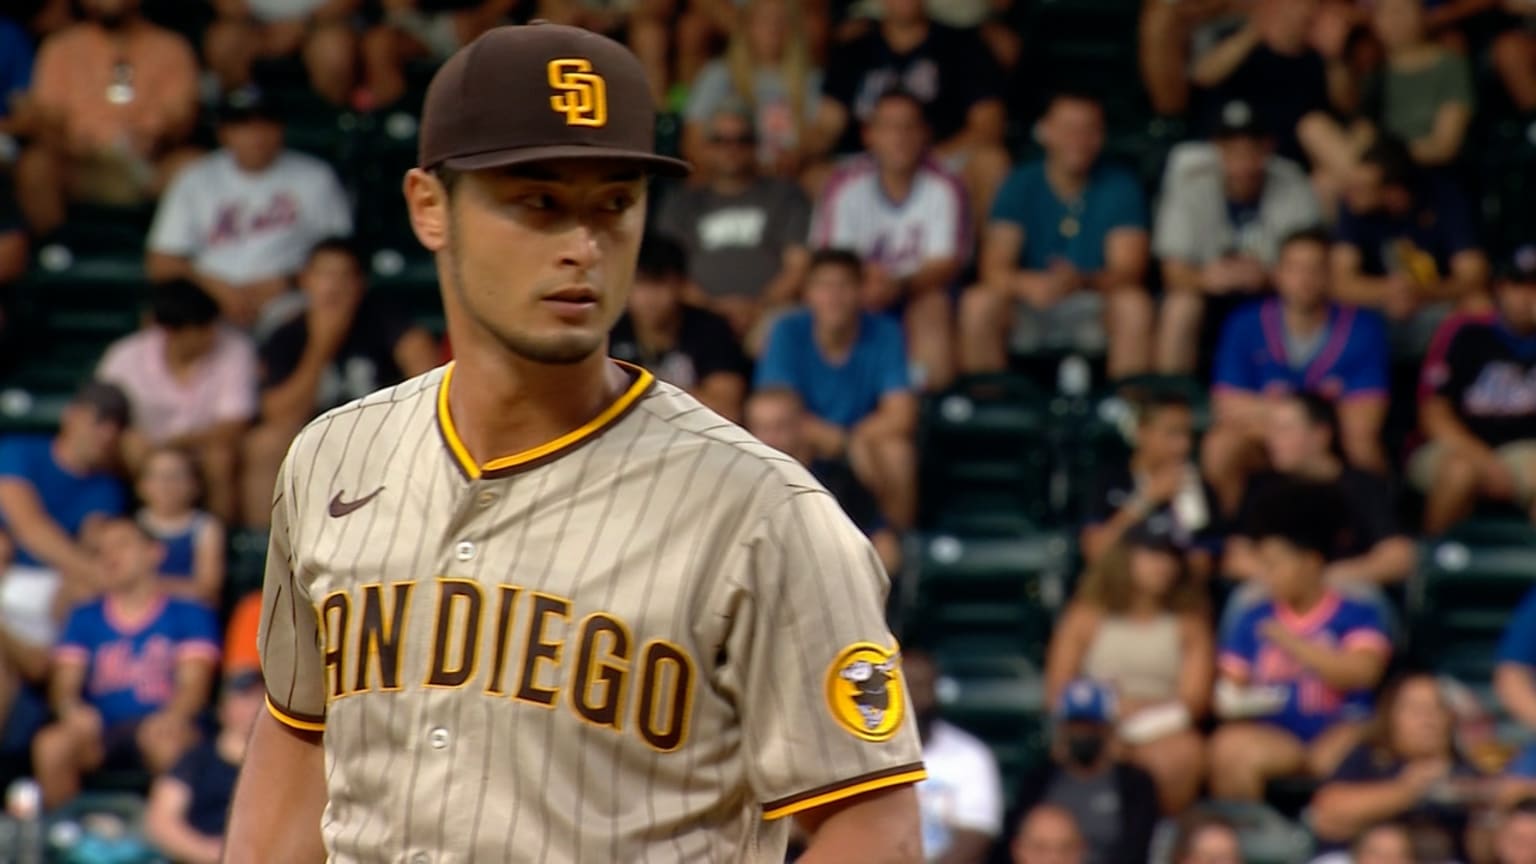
[(503, 465)]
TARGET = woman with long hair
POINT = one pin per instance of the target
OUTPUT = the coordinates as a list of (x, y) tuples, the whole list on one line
[(767, 71), (1138, 623)]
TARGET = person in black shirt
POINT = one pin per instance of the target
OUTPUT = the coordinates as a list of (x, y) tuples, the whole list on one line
[(949, 71), (683, 345), (188, 805), (1480, 418), (346, 345)]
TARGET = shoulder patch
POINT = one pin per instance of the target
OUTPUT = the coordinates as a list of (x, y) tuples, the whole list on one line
[(865, 691)]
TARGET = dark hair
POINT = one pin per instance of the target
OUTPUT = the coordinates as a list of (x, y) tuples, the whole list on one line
[(1072, 94), (181, 303), (1393, 158), (336, 245), (187, 457), (1319, 412), (661, 258), (1304, 513), (449, 177), (837, 258), (138, 527), (1106, 586), (1316, 235), (1151, 402), (1191, 826)]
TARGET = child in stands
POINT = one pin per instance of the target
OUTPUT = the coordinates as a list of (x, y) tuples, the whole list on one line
[(193, 566)]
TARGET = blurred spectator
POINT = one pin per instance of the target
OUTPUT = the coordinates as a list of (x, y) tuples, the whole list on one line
[(766, 75), (240, 636), (1386, 843), (1170, 33), (778, 418), (1514, 677), (1206, 838), (430, 30), (193, 565), (1369, 546), (850, 370), (1406, 770), (16, 59), (951, 73), (1160, 482), (683, 345), (1068, 239), (1297, 671), (1405, 238), (1422, 95), (192, 384), (346, 344), (1112, 803), (318, 31), (241, 220), (962, 799), (906, 217), (1516, 840), (1138, 624), (1049, 835), (54, 492), (130, 675), (1480, 418), (13, 265), (646, 25), (1297, 342), (745, 234), (1514, 54), (189, 805), (113, 101), (1273, 64), (1224, 209)]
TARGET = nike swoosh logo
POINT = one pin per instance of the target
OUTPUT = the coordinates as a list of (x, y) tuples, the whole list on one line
[(340, 508)]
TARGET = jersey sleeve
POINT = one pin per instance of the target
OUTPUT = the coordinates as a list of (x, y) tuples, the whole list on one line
[(812, 667), (174, 231), (1362, 629), (78, 640), (288, 636), (199, 633), (1372, 356)]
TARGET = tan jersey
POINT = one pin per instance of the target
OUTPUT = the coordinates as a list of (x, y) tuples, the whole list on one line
[(648, 640)]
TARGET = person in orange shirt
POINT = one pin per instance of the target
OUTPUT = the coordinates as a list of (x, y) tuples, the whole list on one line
[(240, 654), (113, 101)]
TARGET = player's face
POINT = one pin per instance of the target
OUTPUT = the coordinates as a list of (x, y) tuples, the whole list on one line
[(255, 143), (731, 147), (1214, 846), (832, 293), (1517, 840), (1388, 845), (897, 135), (1168, 435), (1153, 572), (539, 259), (1290, 573), (1301, 276), (1399, 23), (1421, 726), (1073, 134), (332, 277), (653, 302), (1243, 161), (124, 556), (168, 482)]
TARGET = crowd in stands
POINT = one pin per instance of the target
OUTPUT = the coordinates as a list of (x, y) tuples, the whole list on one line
[(885, 201)]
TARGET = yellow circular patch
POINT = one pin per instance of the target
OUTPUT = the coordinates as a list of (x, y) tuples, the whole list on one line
[(865, 691)]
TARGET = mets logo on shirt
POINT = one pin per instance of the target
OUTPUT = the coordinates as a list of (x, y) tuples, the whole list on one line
[(865, 692), (583, 95)]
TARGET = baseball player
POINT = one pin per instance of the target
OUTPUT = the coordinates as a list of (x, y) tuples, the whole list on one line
[(536, 606)]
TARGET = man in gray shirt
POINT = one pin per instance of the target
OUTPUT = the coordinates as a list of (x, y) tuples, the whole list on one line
[(745, 234), (1225, 206)]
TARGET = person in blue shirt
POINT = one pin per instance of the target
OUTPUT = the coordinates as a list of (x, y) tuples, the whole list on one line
[(16, 57), (1297, 671), (1068, 239), (1296, 342), (1514, 677), (53, 491), (131, 673), (849, 369)]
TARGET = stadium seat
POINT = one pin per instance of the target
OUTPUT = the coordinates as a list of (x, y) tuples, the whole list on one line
[(1460, 600), (246, 564)]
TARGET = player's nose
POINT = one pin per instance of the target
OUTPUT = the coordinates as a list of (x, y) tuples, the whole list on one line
[(580, 250)]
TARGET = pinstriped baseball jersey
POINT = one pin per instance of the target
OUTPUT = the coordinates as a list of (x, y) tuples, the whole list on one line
[(648, 640)]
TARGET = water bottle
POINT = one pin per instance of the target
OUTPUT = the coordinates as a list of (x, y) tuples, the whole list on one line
[(24, 803)]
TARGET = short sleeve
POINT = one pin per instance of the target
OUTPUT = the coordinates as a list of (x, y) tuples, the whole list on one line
[(1125, 205), (776, 366), (793, 219), (1232, 367), (197, 632), (1240, 645), (1454, 218), (174, 231), (280, 354), (1363, 630), (1371, 357), (893, 372), (1012, 202), (14, 461), (1519, 642), (288, 637), (104, 498), (335, 214), (978, 804), (236, 401), (813, 668), (78, 639), (948, 228), (824, 223), (1458, 80), (1173, 229)]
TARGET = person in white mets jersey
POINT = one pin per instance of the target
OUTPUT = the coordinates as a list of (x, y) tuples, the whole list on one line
[(536, 606)]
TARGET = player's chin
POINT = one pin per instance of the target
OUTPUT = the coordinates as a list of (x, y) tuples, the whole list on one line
[(560, 347)]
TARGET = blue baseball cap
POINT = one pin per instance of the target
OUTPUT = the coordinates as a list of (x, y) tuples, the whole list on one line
[(1086, 701)]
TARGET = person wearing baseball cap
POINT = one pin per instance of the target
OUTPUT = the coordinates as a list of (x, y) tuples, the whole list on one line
[(1085, 774)]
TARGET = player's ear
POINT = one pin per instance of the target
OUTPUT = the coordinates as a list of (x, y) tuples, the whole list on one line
[(426, 200)]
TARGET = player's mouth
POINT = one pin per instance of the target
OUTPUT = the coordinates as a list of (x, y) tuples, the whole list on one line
[(575, 301)]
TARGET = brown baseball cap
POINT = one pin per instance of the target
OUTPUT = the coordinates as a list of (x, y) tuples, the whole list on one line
[(540, 91)]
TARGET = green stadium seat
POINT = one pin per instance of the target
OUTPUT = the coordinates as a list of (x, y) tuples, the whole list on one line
[(1469, 581), (986, 459)]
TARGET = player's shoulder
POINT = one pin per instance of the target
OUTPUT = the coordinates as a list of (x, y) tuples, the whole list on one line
[(381, 415)]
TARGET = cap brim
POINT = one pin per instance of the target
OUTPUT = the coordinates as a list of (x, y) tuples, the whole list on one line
[(664, 165)]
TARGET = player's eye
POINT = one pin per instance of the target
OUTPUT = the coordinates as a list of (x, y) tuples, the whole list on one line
[(537, 201), (618, 202)]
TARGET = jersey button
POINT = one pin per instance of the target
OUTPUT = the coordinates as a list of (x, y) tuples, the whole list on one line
[(464, 551), (438, 738), (486, 499)]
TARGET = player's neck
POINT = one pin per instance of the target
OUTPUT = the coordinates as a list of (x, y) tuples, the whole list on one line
[(502, 404)]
